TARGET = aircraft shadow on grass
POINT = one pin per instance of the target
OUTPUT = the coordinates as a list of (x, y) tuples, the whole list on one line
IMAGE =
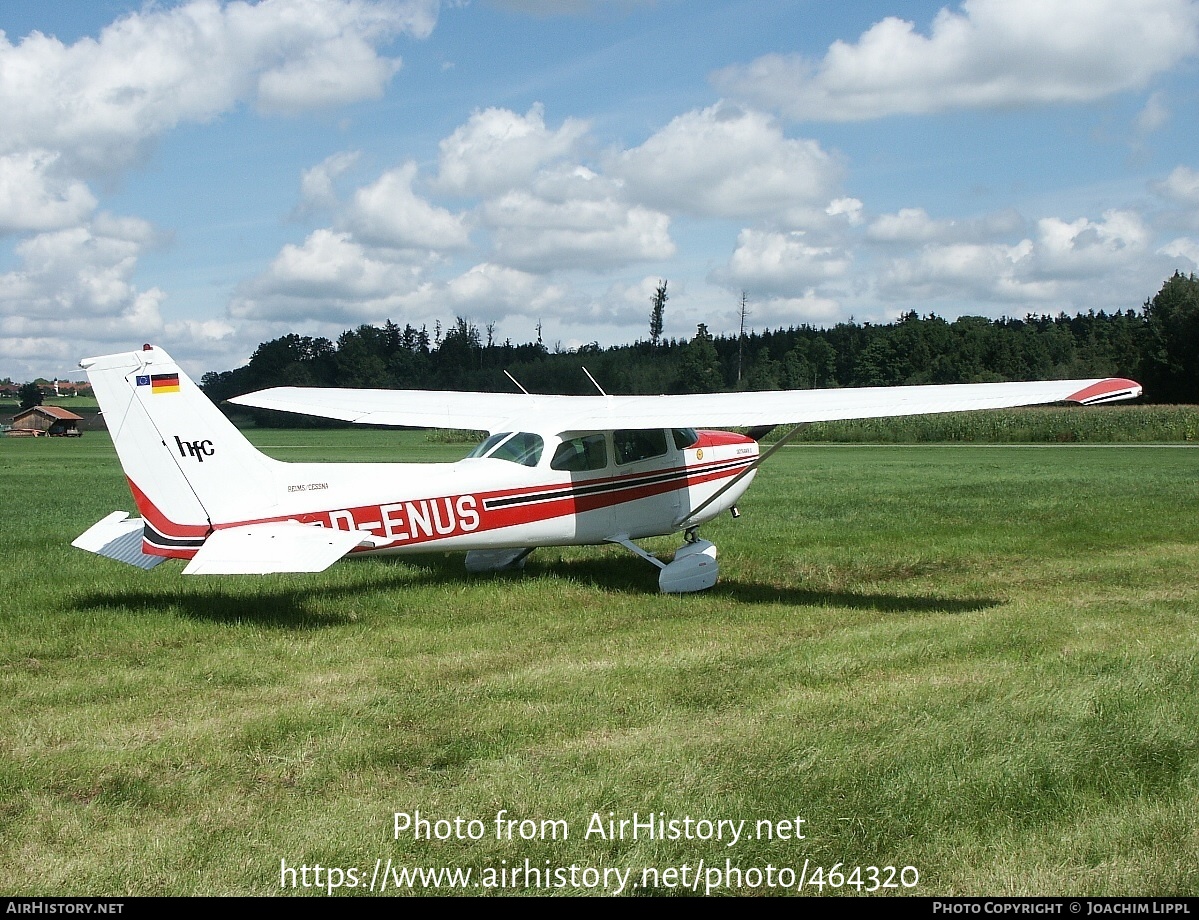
[(614, 574), (294, 608), (302, 607)]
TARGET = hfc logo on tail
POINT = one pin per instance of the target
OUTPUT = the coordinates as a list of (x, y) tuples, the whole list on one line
[(197, 450)]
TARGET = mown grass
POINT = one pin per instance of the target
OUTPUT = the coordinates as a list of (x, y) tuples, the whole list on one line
[(978, 661)]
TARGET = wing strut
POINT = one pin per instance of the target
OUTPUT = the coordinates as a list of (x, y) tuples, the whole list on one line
[(517, 382), (762, 458), (593, 380)]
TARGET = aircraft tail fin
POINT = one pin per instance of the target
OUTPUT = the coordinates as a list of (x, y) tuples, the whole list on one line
[(188, 466)]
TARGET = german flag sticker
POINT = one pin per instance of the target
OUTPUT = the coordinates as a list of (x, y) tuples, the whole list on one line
[(164, 383)]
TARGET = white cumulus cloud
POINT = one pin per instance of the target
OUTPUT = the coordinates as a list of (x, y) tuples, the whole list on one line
[(987, 272), (97, 100), (33, 198), (389, 213), (782, 263), (985, 54), (914, 225), (729, 162), (1181, 186), (807, 307), (72, 293), (908, 225), (1083, 247), (316, 184), (1184, 247), (497, 150), (1080, 264), (574, 218), (495, 291), (77, 274), (329, 276)]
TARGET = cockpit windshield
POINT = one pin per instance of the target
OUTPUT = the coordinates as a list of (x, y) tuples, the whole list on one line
[(483, 448), (521, 447)]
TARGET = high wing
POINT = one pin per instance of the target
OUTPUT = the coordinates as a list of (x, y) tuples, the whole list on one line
[(492, 412)]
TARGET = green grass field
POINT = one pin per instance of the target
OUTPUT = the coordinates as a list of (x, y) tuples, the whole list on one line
[(980, 662), (74, 403)]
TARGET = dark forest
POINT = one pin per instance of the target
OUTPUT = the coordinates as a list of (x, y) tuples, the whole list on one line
[(1157, 344)]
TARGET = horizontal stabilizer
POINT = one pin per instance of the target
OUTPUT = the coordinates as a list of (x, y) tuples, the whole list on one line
[(282, 546), (118, 537)]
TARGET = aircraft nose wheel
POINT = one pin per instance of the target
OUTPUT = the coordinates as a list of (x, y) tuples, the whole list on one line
[(693, 568)]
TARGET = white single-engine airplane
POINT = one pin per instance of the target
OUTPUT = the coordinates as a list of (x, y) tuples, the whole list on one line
[(555, 470)]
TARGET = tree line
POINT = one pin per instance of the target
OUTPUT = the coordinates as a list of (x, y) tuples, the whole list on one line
[(1157, 345)]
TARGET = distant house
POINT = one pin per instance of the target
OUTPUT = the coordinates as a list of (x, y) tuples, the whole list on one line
[(51, 420)]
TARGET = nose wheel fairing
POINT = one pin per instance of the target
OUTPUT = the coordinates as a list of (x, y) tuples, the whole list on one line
[(694, 567)]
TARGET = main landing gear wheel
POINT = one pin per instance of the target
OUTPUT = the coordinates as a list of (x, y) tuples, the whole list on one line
[(479, 561)]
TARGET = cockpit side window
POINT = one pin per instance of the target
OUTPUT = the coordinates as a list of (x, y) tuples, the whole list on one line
[(684, 437), (486, 447), (633, 444), (523, 448), (578, 455)]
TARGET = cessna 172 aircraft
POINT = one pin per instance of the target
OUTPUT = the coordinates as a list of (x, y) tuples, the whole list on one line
[(554, 471)]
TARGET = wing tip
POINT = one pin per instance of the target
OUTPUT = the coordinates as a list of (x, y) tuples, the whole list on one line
[(1110, 389)]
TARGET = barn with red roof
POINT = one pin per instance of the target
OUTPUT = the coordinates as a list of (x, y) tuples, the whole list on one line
[(49, 420)]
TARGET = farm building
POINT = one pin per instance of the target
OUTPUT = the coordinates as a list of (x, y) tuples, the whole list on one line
[(51, 420)]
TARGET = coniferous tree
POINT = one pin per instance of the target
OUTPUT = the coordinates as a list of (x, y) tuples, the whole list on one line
[(657, 314), (699, 365)]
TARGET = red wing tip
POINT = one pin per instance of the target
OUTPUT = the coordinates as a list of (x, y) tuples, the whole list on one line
[(1109, 390)]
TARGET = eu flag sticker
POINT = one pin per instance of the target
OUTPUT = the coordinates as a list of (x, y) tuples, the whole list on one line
[(143, 380)]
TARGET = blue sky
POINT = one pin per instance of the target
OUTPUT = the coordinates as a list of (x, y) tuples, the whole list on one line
[(207, 176)]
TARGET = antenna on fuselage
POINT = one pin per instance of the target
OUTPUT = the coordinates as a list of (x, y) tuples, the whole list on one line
[(517, 382), (592, 379)]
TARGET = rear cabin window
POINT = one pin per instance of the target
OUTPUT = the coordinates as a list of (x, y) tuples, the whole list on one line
[(634, 444), (578, 455)]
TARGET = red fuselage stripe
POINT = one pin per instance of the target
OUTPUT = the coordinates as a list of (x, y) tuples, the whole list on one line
[(424, 520)]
